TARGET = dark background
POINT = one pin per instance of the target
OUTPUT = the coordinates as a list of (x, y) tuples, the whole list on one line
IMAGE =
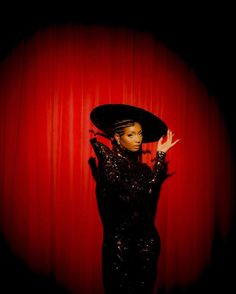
[(203, 36)]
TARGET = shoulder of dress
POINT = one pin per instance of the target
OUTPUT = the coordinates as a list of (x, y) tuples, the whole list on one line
[(100, 149), (95, 142)]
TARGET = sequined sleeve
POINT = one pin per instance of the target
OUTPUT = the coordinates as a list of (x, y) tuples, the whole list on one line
[(159, 168), (152, 178), (115, 173)]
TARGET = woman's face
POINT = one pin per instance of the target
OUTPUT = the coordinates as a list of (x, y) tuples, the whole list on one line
[(132, 138)]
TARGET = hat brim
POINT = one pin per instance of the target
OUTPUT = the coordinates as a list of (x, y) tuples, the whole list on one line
[(104, 117)]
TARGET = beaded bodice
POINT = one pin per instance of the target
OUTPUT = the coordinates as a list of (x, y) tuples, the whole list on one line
[(127, 189)]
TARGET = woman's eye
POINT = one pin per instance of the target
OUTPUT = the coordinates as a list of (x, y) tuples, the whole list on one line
[(130, 135)]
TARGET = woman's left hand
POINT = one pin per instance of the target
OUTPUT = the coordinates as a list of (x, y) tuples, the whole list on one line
[(169, 143)]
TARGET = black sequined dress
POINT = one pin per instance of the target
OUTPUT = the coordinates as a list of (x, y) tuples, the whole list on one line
[(127, 193)]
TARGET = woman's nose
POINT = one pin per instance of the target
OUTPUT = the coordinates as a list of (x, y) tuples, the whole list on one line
[(138, 139)]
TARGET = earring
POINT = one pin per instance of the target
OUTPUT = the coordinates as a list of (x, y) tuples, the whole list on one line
[(118, 142)]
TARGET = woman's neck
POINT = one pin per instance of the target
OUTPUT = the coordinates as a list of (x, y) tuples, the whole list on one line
[(124, 152)]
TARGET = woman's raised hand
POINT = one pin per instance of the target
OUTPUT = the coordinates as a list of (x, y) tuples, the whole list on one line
[(168, 143)]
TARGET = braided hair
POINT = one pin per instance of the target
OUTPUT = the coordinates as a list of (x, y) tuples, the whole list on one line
[(120, 125)]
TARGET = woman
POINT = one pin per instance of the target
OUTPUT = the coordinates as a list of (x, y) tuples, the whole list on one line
[(127, 193)]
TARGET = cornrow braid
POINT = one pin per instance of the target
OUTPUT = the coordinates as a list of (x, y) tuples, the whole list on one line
[(120, 125)]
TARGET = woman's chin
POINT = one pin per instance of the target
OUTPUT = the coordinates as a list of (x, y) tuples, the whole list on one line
[(135, 149)]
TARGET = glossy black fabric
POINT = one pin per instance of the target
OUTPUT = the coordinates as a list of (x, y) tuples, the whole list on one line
[(127, 194)]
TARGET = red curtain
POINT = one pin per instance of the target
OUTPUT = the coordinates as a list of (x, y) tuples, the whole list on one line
[(48, 86)]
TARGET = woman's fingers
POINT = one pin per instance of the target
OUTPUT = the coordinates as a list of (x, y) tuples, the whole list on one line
[(176, 141), (169, 135), (165, 142)]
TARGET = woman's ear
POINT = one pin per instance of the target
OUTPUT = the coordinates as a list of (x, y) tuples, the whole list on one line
[(117, 138)]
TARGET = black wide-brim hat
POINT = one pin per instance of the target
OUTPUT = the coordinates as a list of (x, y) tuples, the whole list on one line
[(105, 116)]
